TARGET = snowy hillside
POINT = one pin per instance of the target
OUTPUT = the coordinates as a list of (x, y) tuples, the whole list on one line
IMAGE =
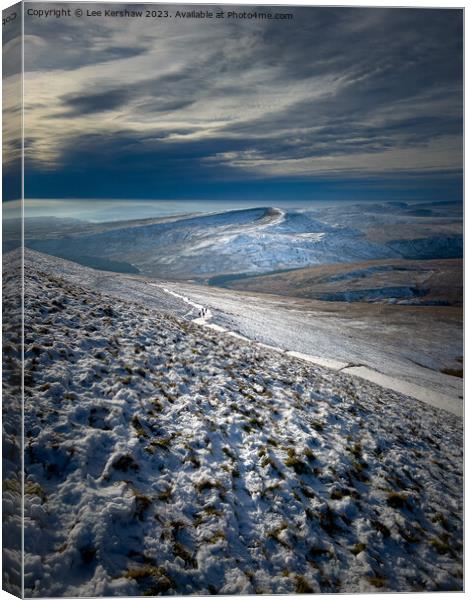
[(11, 423), (410, 350), (249, 241), (164, 458)]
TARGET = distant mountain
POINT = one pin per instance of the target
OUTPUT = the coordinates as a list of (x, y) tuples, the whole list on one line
[(249, 241)]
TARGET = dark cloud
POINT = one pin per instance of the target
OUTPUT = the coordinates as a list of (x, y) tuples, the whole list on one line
[(94, 103), (202, 99), (165, 105), (74, 56)]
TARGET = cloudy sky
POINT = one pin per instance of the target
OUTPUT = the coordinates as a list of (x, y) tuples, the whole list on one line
[(334, 103)]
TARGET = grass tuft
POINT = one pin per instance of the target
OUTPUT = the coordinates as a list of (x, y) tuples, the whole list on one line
[(378, 582), (397, 500), (358, 548), (302, 586)]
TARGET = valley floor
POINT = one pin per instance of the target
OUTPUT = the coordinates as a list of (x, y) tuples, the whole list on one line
[(410, 349), (166, 458)]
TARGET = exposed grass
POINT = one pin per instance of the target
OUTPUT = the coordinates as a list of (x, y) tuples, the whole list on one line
[(142, 503), (163, 443), (155, 578), (358, 471), (215, 537), (34, 489), (165, 495), (212, 511), (441, 545), (378, 582), (256, 422), (125, 463), (207, 484), (397, 500), (180, 550), (356, 450), (158, 406), (307, 492), (328, 521), (309, 455), (358, 548), (268, 461), (338, 494), (13, 485), (226, 450), (302, 586), (137, 425), (441, 519), (383, 529), (294, 462), (275, 535)]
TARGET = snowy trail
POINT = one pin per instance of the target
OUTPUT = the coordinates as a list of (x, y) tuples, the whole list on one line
[(358, 370), (401, 348), (275, 220), (204, 318)]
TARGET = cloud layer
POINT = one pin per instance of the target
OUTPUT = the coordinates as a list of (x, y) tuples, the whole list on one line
[(158, 108)]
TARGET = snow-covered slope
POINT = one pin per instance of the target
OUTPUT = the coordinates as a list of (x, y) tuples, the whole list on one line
[(164, 458), (11, 423), (411, 349), (240, 241)]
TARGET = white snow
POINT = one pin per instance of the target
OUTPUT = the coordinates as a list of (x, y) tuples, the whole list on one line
[(253, 240), (432, 397), (404, 387), (318, 360), (423, 394), (163, 457), (358, 346), (406, 354)]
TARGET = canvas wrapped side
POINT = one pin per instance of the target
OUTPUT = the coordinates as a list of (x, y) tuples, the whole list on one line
[(12, 382)]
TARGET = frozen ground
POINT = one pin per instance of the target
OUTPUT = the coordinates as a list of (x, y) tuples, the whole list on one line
[(405, 348), (11, 424), (163, 457)]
